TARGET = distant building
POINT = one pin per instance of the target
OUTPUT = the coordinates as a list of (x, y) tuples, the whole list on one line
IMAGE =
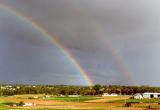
[(74, 95), (35, 97), (151, 95), (106, 94), (146, 95), (28, 104), (113, 94), (138, 96)]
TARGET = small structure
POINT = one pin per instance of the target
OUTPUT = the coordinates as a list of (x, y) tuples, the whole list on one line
[(106, 94), (14, 105), (61, 95), (46, 97), (113, 94), (74, 95), (147, 95), (151, 95), (28, 104), (138, 96), (35, 97)]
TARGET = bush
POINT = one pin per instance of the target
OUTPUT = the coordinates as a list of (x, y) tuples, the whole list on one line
[(21, 103), (30, 97), (131, 97), (127, 104), (10, 103)]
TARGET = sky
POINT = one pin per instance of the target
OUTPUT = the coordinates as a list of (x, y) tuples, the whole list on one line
[(115, 41)]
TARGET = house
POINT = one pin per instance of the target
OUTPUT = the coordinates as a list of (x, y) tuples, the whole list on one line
[(28, 104), (151, 95), (106, 94), (74, 95), (146, 95), (138, 96), (35, 97), (113, 94)]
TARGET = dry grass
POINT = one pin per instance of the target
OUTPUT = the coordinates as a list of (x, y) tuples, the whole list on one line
[(99, 104), (109, 98)]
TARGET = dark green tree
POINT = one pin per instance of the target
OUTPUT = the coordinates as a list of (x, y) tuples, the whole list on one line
[(97, 88)]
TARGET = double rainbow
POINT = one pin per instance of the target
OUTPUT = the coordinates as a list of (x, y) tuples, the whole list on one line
[(118, 58)]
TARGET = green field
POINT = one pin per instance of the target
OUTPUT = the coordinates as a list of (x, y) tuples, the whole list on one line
[(74, 99), (5, 105), (79, 103), (2, 104)]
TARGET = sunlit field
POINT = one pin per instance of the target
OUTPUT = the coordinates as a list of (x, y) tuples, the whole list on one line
[(73, 103)]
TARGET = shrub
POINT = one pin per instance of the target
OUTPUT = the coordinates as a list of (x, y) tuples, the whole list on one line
[(30, 97), (131, 97), (21, 103), (127, 104)]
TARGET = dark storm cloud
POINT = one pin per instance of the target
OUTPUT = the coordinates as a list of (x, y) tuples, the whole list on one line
[(85, 26), (28, 57)]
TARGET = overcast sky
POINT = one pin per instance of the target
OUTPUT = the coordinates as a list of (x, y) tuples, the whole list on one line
[(110, 38)]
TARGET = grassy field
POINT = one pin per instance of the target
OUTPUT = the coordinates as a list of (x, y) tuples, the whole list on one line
[(74, 99), (138, 100), (79, 103)]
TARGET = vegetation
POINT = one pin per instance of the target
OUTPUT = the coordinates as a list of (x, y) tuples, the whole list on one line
[(7, 90), (59, 97), (128, 104), (74, 99), (72, 103), (138, 100)]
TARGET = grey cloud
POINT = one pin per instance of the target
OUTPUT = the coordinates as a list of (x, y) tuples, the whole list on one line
[(87, 27)]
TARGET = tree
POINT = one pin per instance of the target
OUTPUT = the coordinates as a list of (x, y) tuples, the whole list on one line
[(63, 92), (21, 103), (97, 88)]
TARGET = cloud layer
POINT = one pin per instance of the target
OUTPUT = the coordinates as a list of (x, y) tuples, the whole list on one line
[(97, 32)]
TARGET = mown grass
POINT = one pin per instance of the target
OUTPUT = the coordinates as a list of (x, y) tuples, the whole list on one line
[(73, 99), (2, 104)]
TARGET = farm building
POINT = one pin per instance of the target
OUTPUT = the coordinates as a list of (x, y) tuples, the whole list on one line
[(28, 104), (138, 96), (146, 95), (106, 94), (74, 95), (151, 95), (113, 94)]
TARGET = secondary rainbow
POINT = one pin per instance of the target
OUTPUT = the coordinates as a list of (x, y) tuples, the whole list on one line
[(97, 27), (54, 40)]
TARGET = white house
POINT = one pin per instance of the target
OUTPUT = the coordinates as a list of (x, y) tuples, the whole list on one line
[(151, 95), (113, 94), (74, 95), (106, 94), (138, 96), (147, 95), (28, 104)]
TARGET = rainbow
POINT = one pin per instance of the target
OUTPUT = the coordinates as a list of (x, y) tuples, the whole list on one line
[(120, 61), (54, 40)]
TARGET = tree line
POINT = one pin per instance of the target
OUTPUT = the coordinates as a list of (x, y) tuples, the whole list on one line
[(74, 90)]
